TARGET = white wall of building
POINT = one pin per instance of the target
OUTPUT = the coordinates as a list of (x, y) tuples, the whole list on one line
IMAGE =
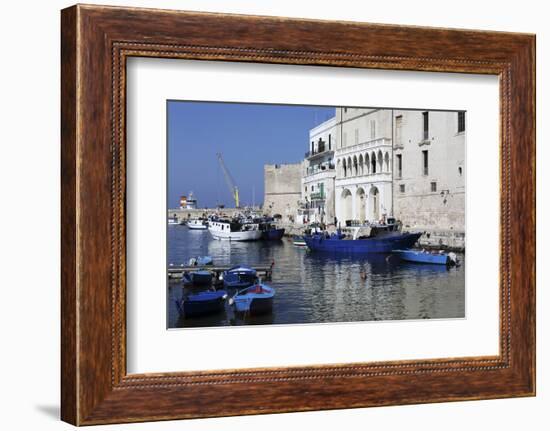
[(317, 204), (363, 185)]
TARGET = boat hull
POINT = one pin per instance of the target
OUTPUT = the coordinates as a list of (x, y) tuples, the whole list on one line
[(251, 235), (200, 278), (273, 234), (203, 303), (418, 256), (382, 244), (197, 226), (299, 241), (254, 303), (239, 278)]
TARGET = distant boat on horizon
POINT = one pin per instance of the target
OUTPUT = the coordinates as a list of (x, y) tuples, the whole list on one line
[(188, 202)]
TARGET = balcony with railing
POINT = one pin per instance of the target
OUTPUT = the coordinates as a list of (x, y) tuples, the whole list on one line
[(317, 196), (320, 167), (320, 151)]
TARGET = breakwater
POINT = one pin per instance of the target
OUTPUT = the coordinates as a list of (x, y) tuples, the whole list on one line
[(185, 214)]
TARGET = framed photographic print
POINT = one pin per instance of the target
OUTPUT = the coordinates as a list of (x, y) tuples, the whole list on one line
[(329, 214)]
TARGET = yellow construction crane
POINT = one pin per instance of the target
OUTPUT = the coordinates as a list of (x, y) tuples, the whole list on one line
[(229, 180)]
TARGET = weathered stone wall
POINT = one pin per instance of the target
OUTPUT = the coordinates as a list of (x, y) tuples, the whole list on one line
[(282, 186), (443, 239), (432, 202), (185, 214)]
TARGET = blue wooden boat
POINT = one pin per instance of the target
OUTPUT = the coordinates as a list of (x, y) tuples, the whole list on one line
[(197, 278), (202, 303), (269, 230), (201, 261), (384, 242), (422, 256), (273, 234), (255, 299), (239, 276)]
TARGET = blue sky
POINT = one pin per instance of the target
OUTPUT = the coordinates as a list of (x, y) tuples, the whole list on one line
[(247, 135)]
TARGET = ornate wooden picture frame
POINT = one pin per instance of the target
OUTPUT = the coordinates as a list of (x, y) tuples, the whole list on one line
[(96, 42)]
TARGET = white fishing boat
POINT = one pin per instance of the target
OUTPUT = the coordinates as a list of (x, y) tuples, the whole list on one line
[(173, 220), (229, 230), (197, 224)]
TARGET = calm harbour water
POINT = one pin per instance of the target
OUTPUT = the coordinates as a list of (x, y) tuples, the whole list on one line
[(318, 288)]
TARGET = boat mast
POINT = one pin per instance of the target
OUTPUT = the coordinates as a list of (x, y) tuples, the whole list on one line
[(229, 180)]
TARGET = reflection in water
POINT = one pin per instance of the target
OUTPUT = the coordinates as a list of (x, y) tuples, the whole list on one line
[(318, 287)]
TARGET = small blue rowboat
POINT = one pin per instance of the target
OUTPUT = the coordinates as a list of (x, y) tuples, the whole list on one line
[(422, 256), (201, 261), (200, 277), (239, 276), (256, 299), (202, 303)]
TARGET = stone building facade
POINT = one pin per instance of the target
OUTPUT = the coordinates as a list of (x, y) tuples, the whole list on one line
[(363, 158), (282, 190), (365, 165), (429, 181)]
